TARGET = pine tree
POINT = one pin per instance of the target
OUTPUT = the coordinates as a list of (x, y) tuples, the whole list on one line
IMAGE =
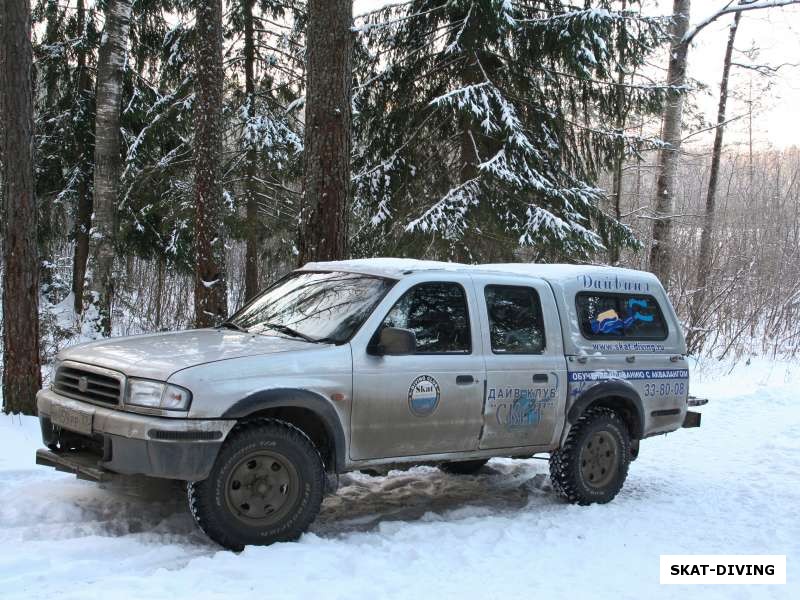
[(21, 368), (326, 177), (483, 126), (210, 290)]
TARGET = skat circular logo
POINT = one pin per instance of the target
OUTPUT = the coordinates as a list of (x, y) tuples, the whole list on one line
[(423, 396)]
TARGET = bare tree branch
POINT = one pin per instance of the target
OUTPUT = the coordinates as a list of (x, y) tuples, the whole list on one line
[(731, 8)]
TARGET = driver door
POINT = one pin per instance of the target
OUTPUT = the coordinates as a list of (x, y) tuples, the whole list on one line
[(430, 401)]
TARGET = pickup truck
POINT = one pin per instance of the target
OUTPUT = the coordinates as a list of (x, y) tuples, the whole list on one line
[(377, 363)]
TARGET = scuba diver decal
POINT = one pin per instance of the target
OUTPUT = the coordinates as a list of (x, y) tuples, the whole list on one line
[(609, 322)]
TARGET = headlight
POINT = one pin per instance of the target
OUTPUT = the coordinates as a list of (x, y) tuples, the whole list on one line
[(54, 371), (156, 394)]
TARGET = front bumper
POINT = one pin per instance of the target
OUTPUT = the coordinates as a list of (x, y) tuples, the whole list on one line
[(132, 444)]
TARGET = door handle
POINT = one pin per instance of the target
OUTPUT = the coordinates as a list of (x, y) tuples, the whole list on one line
[(631, 358), (464, 379), (675, 358), (541, 378)]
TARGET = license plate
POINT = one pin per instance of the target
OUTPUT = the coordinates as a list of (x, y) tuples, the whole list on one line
[(75, 419)]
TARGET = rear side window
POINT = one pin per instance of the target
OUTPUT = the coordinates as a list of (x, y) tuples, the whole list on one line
[(437, 314), (620, 316), (515, 319)]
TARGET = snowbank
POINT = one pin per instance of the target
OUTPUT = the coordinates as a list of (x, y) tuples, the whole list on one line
[(731, 487)]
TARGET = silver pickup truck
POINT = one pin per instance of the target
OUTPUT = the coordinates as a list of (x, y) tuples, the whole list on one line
[(366, 364)]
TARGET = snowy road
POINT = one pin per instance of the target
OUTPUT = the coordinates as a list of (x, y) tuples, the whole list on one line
[(731, 487)]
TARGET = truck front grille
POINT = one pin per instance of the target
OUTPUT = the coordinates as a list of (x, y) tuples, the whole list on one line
[(88, 385)]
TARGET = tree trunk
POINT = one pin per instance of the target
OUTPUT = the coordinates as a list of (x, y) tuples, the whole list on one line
[(22, 366), (704, 256), (616, 187), (468, 153), (251, 161), (210, 290), (661, 251), (481, 241), (619, 158), (326, 180), (54, 16), (83, 218), (160, 274), (110, 67)]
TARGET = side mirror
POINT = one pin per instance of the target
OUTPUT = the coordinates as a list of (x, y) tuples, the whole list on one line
[(394, 341)]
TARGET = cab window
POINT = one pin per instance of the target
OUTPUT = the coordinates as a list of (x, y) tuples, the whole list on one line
[(515, 319), (620, 316), (437, 314)]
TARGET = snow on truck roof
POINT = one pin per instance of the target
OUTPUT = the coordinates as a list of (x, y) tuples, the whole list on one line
[(400, 267)]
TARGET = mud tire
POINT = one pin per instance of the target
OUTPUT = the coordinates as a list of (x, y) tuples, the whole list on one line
[(262, 440), (577, 460)]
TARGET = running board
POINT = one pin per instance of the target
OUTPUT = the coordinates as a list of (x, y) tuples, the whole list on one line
[(81, 464)]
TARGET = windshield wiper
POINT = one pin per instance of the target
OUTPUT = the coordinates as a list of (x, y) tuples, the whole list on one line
[(292, 332), (232, 325)]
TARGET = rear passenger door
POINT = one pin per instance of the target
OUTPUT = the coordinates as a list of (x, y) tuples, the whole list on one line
[(525, 387)]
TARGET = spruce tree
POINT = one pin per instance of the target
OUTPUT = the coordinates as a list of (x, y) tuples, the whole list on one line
[(66, 59), (482, 126), (265, 73)]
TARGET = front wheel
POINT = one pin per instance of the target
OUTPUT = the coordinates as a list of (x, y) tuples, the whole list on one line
[(592, 464), (266, 486)]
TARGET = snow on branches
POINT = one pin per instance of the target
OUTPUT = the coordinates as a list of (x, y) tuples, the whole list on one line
[(493, 115)]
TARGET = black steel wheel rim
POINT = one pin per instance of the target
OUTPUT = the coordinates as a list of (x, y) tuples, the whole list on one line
[(599, 459), (262, 488)]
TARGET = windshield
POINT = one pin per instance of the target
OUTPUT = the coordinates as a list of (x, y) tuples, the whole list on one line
[(317, 307)]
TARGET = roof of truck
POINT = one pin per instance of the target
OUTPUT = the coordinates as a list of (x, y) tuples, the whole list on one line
[(401, 267)]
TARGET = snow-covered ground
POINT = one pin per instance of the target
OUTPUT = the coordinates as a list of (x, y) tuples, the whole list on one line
[(730, 487)]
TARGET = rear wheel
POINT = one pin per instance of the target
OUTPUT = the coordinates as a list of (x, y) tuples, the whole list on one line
[(592, 464), (266, 486), (464, 467)]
